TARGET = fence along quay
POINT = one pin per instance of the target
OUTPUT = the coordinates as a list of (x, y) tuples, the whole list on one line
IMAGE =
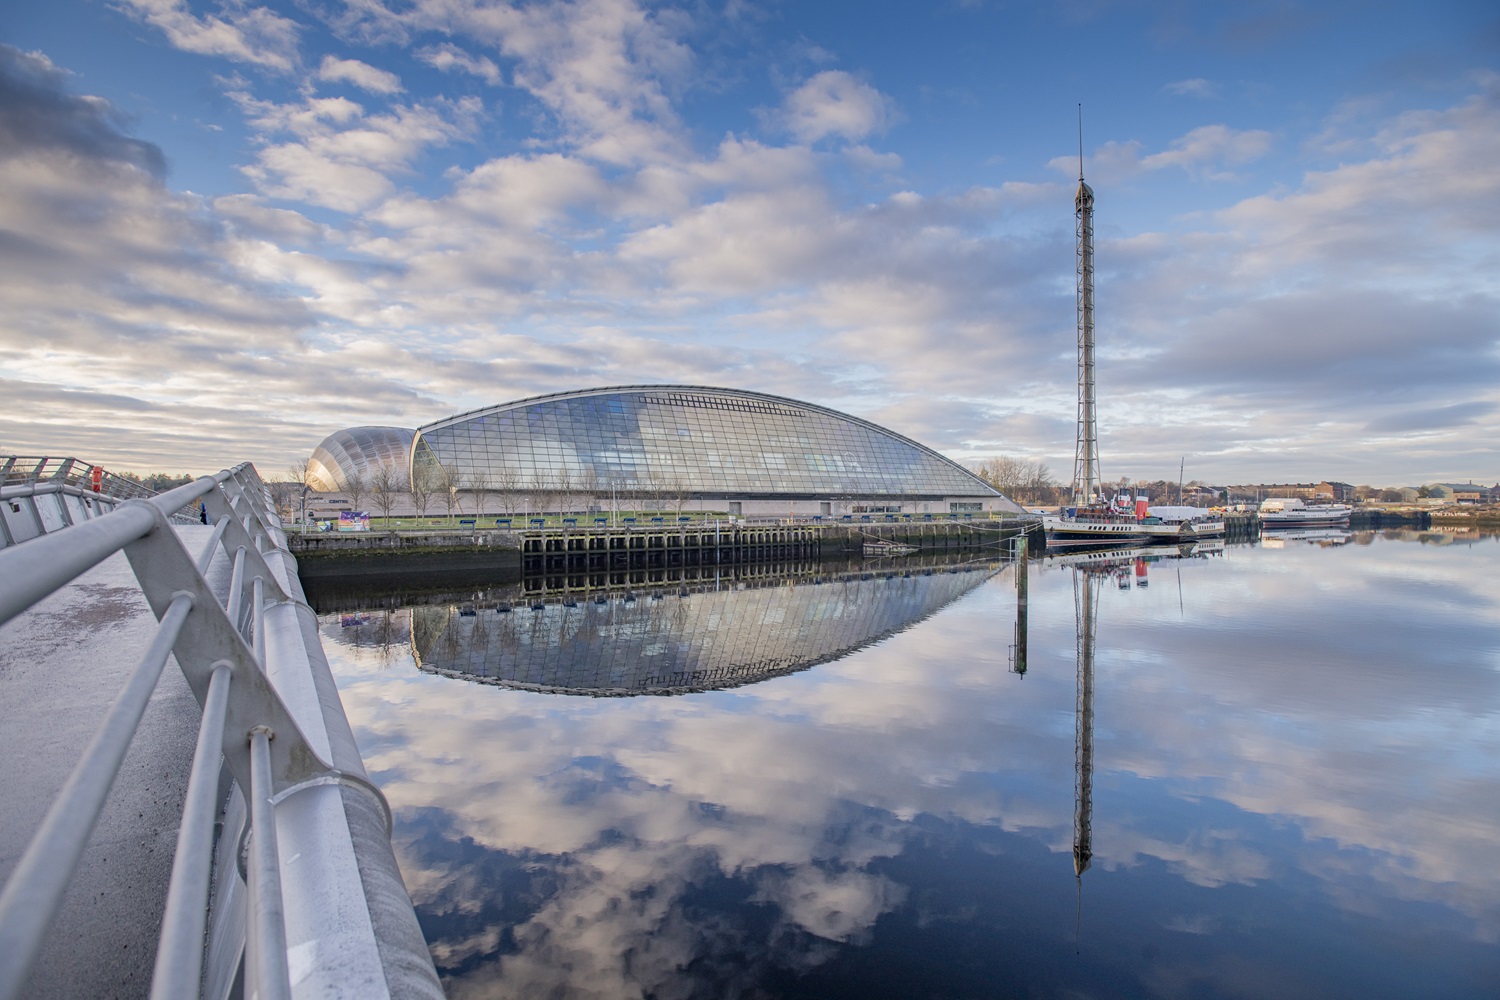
[(283, 882)]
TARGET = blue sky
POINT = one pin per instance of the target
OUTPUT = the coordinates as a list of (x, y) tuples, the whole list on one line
[(230, 229)]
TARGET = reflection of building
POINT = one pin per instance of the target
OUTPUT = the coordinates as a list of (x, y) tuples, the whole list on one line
[(692, 447), (680, 641)]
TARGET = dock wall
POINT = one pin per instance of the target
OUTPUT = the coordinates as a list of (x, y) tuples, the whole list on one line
[(603, 549)]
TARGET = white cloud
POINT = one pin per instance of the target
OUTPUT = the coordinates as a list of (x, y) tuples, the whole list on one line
[(1196, 87), (450, 58), (1207, 149), (834, 103), (255, 35), (361, 74), (343, 158)]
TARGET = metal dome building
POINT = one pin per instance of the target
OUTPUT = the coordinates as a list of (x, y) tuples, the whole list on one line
[(358, 451), (709, 448)]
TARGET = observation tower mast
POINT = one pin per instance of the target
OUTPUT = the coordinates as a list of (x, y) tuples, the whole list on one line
[(1086, 458)]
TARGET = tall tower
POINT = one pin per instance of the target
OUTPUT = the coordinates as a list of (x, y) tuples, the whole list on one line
[(1086, 458)]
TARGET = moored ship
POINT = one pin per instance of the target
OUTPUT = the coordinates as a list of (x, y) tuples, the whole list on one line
[(1291, 512), (1119, 523)]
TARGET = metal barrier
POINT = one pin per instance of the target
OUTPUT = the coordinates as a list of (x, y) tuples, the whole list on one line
[(273, 732), (42, 495)]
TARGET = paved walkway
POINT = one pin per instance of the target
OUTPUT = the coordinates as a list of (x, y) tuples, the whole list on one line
[(61, 664)]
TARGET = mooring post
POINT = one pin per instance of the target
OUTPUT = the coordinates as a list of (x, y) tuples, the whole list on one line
[(1022, 586)]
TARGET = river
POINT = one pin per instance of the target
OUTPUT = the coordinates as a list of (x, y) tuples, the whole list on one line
[(1263, 770)]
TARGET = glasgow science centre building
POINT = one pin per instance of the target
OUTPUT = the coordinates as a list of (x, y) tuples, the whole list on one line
[(744, 453)]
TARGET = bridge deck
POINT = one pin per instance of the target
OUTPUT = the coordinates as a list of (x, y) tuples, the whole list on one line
[(61, 664)]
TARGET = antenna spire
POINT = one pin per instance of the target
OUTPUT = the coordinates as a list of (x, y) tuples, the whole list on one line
[(1080, 140)]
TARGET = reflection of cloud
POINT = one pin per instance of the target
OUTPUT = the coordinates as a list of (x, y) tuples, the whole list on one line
[(635, 832)]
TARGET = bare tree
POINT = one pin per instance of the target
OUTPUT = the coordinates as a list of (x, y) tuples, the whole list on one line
[(448, 480), (286, 496), (421, 485), (675, 490), (540, 493), (507, 481), (1017, 478), (564, 486), (588, 489), (649, 489), (482, 485), (300, 471), (356, 487), (387, 485)]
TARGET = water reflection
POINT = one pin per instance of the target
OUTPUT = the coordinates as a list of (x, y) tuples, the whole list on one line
[(1290, 792), (685, 638)]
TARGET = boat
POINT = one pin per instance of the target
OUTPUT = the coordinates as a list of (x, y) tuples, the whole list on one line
[(1121, 523), (1193, 522), (889, 549), (1095, 524), (1291, 512)]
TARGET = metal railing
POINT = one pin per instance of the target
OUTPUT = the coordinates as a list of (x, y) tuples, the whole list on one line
[(42, 495), (272, 731)]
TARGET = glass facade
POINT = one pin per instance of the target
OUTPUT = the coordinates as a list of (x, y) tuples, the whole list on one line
[(357, 451), (705, 441)]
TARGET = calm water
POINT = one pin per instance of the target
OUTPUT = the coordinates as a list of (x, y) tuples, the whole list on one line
[(843, 789)]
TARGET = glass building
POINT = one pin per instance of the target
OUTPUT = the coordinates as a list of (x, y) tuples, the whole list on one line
[(707, 448), (358, 451)]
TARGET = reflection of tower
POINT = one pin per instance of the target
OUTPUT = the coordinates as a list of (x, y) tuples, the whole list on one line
[(1084, 591)]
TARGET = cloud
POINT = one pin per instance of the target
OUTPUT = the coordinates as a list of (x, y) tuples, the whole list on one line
[(450, 58), (343, 158), (1437, 418), (39, 118), (834, 103), (1196, 87), (247, 34), (1208, 146), (1205, 153), (376, 81), (605, 70)]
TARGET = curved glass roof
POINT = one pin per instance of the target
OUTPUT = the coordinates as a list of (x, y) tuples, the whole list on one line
[(357, 451), (710, 441)]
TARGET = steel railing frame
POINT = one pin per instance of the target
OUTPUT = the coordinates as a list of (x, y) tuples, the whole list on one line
[(59, 492), (252, 664)]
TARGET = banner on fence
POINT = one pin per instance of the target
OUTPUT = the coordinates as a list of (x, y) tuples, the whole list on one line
[(354, 520)]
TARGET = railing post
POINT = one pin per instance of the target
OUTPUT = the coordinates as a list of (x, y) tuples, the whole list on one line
[(265, 955)]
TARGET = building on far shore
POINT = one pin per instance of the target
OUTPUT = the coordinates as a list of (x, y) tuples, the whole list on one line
[(1463, 493), (686, 447), (1327, 491)]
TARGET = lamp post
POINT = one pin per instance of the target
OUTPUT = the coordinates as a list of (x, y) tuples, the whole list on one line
[(305, 490)]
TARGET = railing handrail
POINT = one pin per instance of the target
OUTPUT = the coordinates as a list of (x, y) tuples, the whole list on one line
[(266, 717)]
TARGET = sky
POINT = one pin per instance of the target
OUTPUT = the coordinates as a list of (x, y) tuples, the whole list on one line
[(230, 229)]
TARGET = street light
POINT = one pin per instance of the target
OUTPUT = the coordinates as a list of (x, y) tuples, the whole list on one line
[(306, 489)]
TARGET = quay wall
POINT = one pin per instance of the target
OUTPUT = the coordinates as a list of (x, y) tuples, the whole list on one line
[(553, 549)]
